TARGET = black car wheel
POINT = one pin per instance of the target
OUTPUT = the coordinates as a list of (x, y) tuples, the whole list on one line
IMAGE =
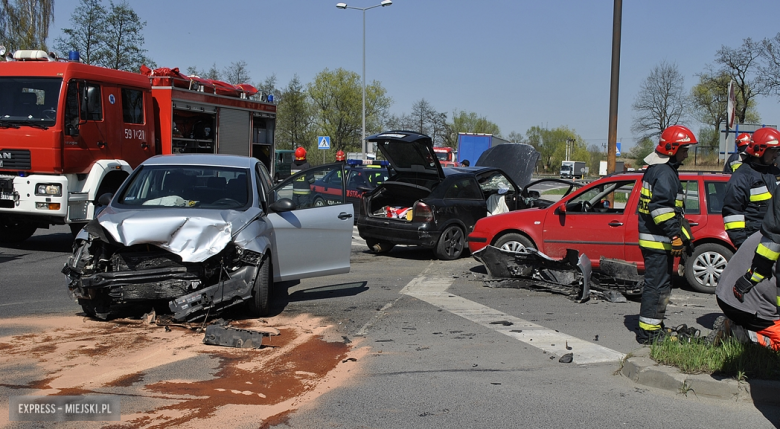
[(514, 242), (378, 246), (319, 202), (258, 305), (15, 232), (450, 244), (704, 267)]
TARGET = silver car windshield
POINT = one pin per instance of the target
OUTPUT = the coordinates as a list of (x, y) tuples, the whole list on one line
[(188, 186)]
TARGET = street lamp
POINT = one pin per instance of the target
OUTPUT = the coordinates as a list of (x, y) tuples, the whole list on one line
[(364, 9)]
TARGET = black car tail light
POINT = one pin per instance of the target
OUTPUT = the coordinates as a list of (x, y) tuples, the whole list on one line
[(421, 212)]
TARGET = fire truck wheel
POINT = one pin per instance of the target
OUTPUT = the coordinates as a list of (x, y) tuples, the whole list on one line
[(14, 231)]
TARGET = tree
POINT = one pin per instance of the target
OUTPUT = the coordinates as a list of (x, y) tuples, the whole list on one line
[(337, 99), (709, 102), (294, 117), (661, 101), (516, 137), (742, 65), (87, 35), (24, 24), (770, 67), (123, 40), (643, 148), (468, 122), (268, 87), (551, 145), (237, 72)]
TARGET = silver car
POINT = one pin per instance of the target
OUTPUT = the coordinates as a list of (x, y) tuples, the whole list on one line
[(201, 233)]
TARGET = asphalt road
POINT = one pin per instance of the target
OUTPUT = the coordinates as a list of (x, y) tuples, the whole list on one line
[(443, 350)]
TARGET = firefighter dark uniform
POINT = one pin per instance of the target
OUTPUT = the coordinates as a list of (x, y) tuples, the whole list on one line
[(737, 158), (768, 250), (748, 194), (661, 232), (302, 184)]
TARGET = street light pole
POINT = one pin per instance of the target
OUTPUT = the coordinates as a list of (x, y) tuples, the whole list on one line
[(364, 9)]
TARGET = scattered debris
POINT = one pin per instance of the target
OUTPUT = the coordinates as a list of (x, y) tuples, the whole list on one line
[(516, 330), (567, 358), (596, 339), (571, 276), (502, 322), (349, 360), (217, 335), (567, 346)]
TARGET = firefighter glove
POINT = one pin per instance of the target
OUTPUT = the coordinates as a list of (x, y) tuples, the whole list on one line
[(677, 246), (743, 286)]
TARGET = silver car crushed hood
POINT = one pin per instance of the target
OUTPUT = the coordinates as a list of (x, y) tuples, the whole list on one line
[(192, 234)]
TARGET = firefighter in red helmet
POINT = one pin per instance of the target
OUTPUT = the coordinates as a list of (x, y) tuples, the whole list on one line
[(736, 158), (663, 232), (749, 190), (340, 156), (301, 185)]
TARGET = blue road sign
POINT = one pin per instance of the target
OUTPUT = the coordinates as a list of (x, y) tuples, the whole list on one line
[(617, 149), (323, 142)]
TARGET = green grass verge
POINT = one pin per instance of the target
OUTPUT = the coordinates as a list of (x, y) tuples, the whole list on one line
[(730, 358)]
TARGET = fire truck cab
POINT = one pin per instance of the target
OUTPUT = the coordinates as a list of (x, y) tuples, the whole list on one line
[(70, 132)]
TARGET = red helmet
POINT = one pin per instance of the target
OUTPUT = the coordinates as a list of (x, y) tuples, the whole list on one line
[(340, 155), (763, 139), (300, 154), (674, 137), (743, 140)]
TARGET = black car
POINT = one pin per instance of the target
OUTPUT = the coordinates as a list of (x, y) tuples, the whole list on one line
[(362, 176), (425, 205)]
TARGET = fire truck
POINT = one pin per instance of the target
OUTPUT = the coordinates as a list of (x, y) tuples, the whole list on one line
[(70, 132)]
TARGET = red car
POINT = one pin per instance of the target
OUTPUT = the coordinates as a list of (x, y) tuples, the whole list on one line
[(600, 219)]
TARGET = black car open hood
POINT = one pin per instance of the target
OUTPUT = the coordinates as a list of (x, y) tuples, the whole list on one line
[(408, 152), (515, 159)]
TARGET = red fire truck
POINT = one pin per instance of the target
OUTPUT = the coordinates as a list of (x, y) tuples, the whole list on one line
[(446, 156), (70, 132)]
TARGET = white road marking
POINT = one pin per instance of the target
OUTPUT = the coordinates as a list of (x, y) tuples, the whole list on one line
[(433, 290)]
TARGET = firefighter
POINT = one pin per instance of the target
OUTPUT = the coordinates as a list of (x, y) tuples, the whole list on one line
[(750, 188), (755, 318), (768, 249), (340, 157), (662, 230), (301, 185), (736, 158)]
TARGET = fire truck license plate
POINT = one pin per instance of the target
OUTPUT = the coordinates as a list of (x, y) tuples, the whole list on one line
[(6, 196)]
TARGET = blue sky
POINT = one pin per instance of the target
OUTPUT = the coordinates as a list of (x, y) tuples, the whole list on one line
[(519, 63)]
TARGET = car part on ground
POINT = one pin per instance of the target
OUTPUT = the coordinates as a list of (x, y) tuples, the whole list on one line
[(571, 275), (228, 336)]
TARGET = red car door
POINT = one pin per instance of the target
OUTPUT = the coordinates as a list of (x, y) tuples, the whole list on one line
[(594, 222)]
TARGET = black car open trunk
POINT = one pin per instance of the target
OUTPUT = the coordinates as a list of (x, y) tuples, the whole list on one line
[(394, 195)]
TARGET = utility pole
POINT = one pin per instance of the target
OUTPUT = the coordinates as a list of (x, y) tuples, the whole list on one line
[(613, 88)]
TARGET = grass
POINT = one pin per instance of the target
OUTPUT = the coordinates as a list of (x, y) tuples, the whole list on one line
[(730, 359)]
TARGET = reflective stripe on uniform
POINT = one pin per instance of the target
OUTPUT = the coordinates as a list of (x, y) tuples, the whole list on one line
[(756, 278), (768, 249), (661, 215), (735, 165), (658, 242), (649, 324), (760, 194), (679, 201), (734, 222)]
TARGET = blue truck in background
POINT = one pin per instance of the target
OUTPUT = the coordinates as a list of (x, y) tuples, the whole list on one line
[(471, 145)]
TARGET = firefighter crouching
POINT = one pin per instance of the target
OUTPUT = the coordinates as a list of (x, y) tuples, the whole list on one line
[(663, 233), (735, 159), (301, 185), (749, 190)]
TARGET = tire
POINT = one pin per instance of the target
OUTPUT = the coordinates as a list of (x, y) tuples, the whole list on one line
[(319, 202), (705, 265), (258, 304), (513, 242), (13, 232), (378, 246), (451, 244)]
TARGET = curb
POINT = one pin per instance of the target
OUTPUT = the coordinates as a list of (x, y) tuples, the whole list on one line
[(643, 370)]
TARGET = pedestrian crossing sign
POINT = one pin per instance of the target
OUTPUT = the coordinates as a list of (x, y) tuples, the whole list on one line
[(323, 142)]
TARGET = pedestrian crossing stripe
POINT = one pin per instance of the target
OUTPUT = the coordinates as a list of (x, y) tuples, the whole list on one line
[(324, 142)]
